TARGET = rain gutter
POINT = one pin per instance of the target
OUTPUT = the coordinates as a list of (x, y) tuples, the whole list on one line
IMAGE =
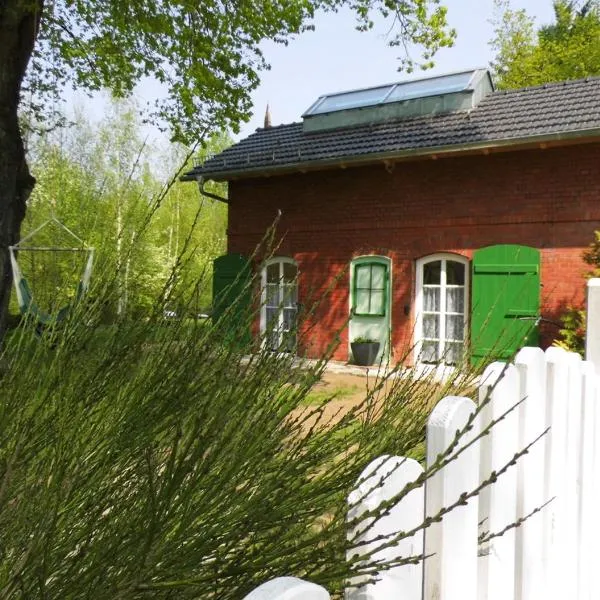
[(201, 181)]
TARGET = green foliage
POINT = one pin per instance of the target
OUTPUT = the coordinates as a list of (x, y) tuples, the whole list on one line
[(513, 44), (363, 340), (569, 48), (145, 460), (574, 320), (207, 56), (572, 332), (592, 256), (97, 180)]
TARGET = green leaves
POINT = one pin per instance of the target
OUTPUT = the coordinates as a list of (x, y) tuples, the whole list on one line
[(150, 460), (566, 49), (207, 55), (96, 178)]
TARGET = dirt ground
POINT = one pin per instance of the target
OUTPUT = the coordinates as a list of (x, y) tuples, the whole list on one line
[(350, 388), (347, 390)]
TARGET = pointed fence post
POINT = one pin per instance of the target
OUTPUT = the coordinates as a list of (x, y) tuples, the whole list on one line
[(592, 338), (498, 501), (288, 588), (529, 568), (587, 537), (451, 545), (572, 489), (557, 383), (595, 488), (379, 483)]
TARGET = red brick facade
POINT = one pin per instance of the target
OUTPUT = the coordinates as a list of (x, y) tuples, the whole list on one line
[(548, 199)]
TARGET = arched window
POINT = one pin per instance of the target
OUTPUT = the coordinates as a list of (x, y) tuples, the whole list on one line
[(441, 307), (279, 306)]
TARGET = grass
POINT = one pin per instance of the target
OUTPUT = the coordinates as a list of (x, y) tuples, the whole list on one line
[(331, 392)]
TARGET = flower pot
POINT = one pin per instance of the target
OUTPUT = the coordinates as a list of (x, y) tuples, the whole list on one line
[(365, 353)]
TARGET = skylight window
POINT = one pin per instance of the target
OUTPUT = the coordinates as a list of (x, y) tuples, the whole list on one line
[(448, 84), (397, 92), (346, 100)]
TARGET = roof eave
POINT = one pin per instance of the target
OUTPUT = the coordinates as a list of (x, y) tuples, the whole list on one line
[(365, 159)]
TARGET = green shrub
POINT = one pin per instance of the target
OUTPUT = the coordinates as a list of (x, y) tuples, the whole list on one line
[(572, 332), (364, 340), (141, 460)]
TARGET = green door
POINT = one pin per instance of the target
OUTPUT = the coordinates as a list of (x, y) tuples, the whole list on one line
[(232, 296), (505, 301)]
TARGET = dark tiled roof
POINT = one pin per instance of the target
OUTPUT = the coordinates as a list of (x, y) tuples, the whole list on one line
[(549, 110)]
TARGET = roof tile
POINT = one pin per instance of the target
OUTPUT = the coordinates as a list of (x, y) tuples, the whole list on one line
[(503, 115)]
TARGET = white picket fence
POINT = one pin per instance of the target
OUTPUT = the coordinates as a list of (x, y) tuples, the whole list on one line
[(552, 555)]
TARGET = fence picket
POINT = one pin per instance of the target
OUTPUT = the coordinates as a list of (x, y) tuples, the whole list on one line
[(529, 569), (288, 588), (497, 502), (451, 545), (555, 473), (585, 532), (382, 481), (572, 488), (592, 338), (595, 485)]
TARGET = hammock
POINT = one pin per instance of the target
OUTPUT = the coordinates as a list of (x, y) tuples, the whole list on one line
[(25, 297)]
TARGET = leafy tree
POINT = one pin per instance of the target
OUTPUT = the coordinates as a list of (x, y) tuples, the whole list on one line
[(514, 43), (192, 230), (569, 48), (206, 54), (96, 179)]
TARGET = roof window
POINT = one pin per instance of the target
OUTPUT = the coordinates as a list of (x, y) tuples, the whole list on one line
[(429, 96)]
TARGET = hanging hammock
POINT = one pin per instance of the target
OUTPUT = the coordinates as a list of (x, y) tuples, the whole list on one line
[(25, 296)]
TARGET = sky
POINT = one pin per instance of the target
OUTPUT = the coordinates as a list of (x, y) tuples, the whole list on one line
[(335, 57)]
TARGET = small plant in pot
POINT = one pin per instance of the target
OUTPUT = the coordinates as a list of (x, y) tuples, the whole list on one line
[(364, 351)]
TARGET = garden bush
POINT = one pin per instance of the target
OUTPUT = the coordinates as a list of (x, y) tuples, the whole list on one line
[(142, 460)]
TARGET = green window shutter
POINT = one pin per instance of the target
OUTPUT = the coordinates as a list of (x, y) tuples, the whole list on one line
[(370, 289), (232, 290), (505, 301)]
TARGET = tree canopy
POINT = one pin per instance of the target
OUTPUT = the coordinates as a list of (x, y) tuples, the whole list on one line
[(568, 48), (206, 54), (96, 178)]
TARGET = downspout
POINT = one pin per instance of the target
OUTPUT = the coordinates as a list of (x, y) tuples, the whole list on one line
[(203, 192)]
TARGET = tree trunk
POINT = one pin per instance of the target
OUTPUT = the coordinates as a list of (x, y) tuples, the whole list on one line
[(19, 22)]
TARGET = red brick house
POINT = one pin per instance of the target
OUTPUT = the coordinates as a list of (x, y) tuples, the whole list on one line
[(442, 203)]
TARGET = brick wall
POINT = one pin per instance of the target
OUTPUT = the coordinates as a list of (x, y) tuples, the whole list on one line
[(548, 199)]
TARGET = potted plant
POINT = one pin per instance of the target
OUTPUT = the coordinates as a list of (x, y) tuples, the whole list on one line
[(364, 351)]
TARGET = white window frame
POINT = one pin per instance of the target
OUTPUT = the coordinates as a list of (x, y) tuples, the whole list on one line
[(421, 262), (280, 260)]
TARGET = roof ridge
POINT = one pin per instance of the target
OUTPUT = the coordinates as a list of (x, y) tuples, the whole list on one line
[(280, 126), (552, 111), (550, 84)]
